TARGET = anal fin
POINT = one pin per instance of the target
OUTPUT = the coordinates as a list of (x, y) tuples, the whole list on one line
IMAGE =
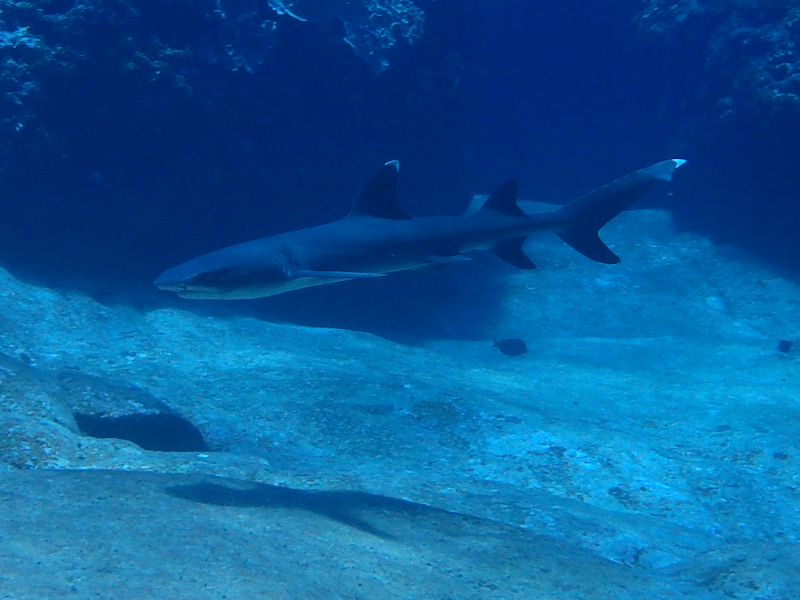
[(510, 251)]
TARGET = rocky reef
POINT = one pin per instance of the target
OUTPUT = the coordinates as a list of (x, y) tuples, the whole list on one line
[(174, 43), (731, 72), (745, 52), (371, 27)]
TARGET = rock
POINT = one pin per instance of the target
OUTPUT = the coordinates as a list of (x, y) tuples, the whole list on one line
[(748, 51), (644, 427), (373, 29), (198, 537)]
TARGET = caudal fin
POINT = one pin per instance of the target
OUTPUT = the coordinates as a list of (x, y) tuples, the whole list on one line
[(585, 217)]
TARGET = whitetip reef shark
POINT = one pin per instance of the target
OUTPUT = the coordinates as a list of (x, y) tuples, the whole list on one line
[(377, 238)]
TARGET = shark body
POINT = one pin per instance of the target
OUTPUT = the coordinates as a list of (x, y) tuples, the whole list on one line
[(377, 238)]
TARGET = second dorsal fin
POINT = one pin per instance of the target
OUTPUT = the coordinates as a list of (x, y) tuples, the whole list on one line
[(504, 200)]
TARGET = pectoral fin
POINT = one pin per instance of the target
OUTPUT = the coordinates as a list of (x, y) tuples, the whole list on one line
[(333, 274), (443, 260)]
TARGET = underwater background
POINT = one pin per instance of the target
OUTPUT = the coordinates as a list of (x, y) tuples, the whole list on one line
[(646, 443), (137, 134)]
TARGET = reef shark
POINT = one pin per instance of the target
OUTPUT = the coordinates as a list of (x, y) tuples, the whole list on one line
[(377, 238)]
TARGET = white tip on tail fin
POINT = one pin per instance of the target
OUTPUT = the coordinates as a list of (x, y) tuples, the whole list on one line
[(584, 217), (664, 169)]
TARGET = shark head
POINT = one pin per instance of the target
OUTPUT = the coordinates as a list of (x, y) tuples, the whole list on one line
[(234, 273), (221, 283)]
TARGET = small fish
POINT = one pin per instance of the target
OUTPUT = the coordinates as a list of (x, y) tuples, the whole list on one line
[(511, 347), (784, 346)]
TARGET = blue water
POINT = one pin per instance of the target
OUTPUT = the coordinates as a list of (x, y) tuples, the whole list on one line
[(115, 168)]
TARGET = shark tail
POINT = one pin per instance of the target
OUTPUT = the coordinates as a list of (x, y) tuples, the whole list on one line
[(585, 217)]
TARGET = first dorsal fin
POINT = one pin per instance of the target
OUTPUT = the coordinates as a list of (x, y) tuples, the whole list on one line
[(379, 197), (504, 200)]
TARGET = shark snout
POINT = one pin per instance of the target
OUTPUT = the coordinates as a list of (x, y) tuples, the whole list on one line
[(182, 287), (176, 279), (165, 282)]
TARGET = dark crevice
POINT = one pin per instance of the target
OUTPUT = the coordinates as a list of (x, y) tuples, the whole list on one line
[(160, 432)]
